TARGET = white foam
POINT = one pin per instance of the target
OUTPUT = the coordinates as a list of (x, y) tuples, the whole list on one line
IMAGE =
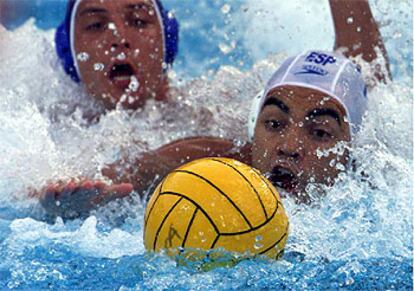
[(87, 240), (43, 136)]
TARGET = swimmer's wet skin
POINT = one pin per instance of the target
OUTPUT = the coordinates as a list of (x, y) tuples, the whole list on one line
[(306, 108), (118, 50), (314, 101), (315, 110)]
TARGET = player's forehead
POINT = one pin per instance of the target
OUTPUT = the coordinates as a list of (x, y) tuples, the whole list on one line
[(301, 100), (105, 6)]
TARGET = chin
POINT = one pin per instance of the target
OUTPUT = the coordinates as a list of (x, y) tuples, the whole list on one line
[(136, 104), (297, 193)]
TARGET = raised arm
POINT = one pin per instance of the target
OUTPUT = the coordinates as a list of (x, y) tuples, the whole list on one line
[(357, 33)]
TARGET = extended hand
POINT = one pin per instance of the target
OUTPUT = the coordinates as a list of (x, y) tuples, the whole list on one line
[(76, 199)]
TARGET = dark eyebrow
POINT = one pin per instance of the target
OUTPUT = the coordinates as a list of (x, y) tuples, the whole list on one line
[(276, 102), (93, 10), (323, 112), (138, 6)]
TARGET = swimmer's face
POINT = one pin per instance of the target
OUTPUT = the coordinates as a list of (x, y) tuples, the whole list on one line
[(119, 50), (294, 123)]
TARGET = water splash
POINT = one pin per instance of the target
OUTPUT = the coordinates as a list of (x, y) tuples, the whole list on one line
[(360, 233)]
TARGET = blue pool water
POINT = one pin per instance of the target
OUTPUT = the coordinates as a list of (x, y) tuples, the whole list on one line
[(360, 236)]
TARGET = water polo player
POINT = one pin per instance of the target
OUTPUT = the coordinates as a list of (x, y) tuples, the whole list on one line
[(154, 165), (313, 103), (118, 50)]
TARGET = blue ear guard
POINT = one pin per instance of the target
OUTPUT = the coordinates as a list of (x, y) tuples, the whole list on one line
[(63, 48), (171, 33)]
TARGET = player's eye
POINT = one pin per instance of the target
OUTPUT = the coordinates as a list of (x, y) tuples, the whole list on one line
[(96, 26), (321, 134), (272, 124), (139, 23)]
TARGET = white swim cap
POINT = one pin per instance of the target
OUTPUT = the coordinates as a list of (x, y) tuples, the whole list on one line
[(326, 72)]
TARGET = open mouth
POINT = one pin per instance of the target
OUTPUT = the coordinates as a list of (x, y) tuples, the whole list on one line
[(121, 74), (283, 178)]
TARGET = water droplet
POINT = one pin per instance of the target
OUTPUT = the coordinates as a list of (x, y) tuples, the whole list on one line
[(131, 99), (227, 48), (397, 34), (121, 56), (98, 67), (350, 20), (111, 26), (238, 142), (123, 98), (225, 8), (83, 57), (258, 245), (319, 153), (340, 167), (134, 84)]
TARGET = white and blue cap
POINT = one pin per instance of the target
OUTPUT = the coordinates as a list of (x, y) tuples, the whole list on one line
[(326, 72)]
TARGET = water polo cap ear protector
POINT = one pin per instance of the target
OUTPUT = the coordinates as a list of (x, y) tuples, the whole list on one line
[(254, 114), (326, 72), (169, 24)]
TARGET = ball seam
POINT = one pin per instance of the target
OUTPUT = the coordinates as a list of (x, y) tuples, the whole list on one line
[(248, 182), (163, 221), (219, 190)]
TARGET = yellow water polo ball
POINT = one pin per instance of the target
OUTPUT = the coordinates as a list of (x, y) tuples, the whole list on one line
[(216, 203)]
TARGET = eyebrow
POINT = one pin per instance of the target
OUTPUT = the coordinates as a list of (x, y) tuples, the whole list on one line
[(276, 102), (138, 6), (98, 10), (324, 112), (93, 10)]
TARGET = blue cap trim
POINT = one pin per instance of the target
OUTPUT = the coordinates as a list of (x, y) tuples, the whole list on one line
[(63, 48)]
